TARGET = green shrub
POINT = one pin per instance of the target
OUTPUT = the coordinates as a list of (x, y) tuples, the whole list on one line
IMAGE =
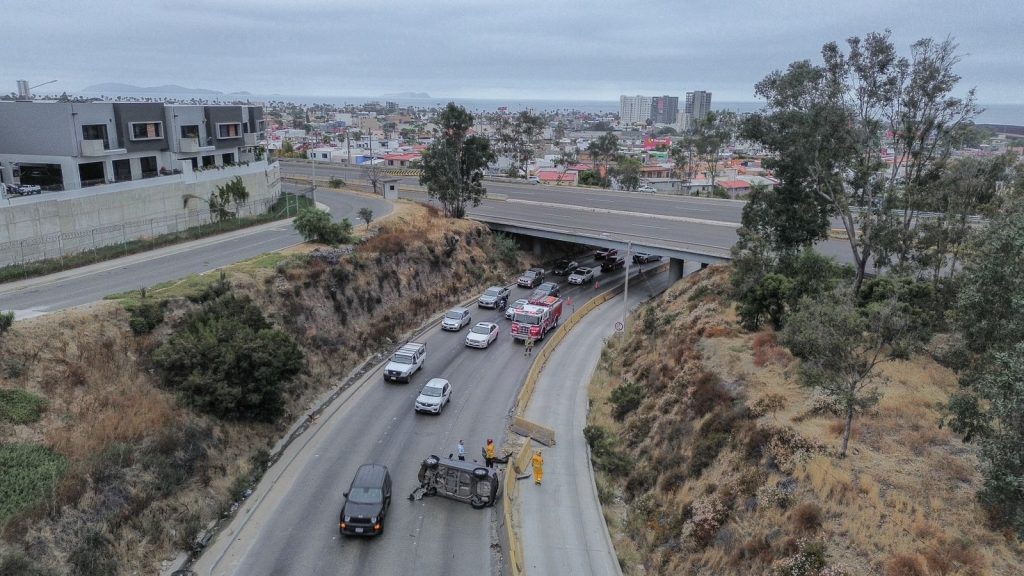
[(506, 248), (20, 407), (6, 321), (145, 315), (625, 398), (603, 451), (316, 226), (28, 472), (335, 182), (226, 359), (708, 442)]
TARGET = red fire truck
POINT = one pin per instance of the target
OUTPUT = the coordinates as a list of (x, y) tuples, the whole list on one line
[(537, 318)]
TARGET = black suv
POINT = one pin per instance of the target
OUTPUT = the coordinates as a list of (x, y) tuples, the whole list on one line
[(612, 264), (366, 502)]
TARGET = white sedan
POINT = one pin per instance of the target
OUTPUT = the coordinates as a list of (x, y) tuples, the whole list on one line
[(435, 395), (481, 335), (581, 276)]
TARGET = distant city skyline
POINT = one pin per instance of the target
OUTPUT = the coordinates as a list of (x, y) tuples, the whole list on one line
[(527, 49)]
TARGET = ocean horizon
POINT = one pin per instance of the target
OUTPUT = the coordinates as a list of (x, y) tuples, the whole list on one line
[(1009, 114)]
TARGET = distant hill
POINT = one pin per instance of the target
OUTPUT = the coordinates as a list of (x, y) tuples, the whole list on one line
[(422, 95), (117, 88)]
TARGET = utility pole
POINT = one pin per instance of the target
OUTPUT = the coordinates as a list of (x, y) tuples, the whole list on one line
[(625, 292)]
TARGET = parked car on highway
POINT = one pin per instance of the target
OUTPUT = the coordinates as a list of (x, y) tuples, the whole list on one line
[(434, 396), (481, 335), (455, 319), (645, 257), (366, 502), (546, 289), (494, 297), (581, 276), (612, 264), (531, 278), (511, 310), (565, 267), (459, 480), (405, 362), (603, 253), (647, 189)]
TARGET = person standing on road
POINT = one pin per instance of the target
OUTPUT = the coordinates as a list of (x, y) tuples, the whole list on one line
[(489, 453), (538, 467), (461, 448), (528, 346)]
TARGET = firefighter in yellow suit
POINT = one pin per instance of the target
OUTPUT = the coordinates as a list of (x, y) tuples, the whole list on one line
[(538, 467)]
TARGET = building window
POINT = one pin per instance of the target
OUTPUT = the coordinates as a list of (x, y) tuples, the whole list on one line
[(96, 132), (147, 130), (191, 131), (232, 130), (147, 165)]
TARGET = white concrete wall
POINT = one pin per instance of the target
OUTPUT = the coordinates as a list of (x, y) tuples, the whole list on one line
[(47, 225)]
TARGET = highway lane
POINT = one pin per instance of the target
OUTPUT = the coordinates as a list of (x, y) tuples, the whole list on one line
[(714, 209), (290, 524), (70, 288)]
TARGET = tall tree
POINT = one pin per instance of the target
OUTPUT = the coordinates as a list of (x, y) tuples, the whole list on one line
[(566, 159), (711, 136), (684, 154), (518, 137), (603, 148), (453, 165), (826, 125)]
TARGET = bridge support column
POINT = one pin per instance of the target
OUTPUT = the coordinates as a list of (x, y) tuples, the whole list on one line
[(538, 246), (675, 269)]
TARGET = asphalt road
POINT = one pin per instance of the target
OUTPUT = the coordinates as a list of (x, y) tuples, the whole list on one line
[(290, 524), (578, 544), (91, 283)]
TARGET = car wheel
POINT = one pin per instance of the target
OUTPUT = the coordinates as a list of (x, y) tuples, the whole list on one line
[(431, 462), (477, 503), (481, 472)]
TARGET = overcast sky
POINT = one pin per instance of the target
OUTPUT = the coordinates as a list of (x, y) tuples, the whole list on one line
[(529, 49)]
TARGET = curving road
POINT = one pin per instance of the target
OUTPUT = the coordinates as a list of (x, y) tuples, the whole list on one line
[(79, 286), (289, 525)]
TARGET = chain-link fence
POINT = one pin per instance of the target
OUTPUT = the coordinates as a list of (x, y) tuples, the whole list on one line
[(69, 249)]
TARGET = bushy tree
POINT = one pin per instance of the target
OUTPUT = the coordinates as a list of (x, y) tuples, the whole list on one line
[(226, 359), (315, 225), (989, 407), (840, 347), (453, 165), (603, 149), (366, 214), (627, 171), (6, 321)]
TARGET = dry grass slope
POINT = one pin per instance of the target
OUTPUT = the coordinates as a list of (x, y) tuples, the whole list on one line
[(731, 465)]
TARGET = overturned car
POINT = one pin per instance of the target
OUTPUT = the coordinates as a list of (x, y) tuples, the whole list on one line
[(458, 480)]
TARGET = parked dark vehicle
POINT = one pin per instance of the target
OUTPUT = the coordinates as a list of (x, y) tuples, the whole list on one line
[(603, 253), (565, 267), (459, 480), (531, 278), (612, 264), (366, 502)]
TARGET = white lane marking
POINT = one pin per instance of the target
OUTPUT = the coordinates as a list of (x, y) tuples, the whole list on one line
[(627, 213)]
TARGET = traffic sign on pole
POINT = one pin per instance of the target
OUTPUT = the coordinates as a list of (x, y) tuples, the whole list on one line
[(618, 326)]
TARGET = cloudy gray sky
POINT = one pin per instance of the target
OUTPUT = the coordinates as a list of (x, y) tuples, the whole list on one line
[(593, 50)]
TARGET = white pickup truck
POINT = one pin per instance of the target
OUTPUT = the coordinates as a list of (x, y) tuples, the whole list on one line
[(406, 361)]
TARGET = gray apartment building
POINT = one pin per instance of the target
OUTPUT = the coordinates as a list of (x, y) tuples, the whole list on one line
[(67, 146), (698, 105), (664, 109)]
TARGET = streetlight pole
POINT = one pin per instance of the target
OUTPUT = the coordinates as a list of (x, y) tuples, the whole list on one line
[(625, 292), (314, 177)]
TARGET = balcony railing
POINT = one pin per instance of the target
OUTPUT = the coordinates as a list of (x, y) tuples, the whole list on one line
[(94, 148)]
